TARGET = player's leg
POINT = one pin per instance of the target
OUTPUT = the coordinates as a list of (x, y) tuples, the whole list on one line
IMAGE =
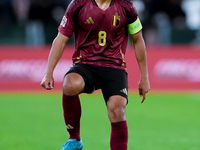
[(119, 130), (74, 83), (115, 92)]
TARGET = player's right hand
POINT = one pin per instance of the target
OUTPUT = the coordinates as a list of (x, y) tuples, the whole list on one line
[(47, 82)]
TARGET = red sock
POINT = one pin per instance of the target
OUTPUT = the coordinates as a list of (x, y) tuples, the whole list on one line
[(119, 136), (72, 115)]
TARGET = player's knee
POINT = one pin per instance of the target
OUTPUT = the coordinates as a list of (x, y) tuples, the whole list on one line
[(119, 112), (117, 115), (72, 86), (69, 89), (116, 109)]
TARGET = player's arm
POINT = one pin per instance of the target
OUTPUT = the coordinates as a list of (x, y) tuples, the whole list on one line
[(55, 54), (140, 53)]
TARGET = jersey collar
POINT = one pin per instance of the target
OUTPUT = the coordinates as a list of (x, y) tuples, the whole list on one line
[(95, 4)]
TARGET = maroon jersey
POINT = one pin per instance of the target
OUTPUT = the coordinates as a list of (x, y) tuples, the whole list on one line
[(100, 36)]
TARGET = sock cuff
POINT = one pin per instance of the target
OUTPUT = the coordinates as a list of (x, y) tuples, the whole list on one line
[(69, 99), (119, 125)]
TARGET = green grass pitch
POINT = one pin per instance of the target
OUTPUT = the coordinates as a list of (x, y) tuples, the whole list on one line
[(165, 121)]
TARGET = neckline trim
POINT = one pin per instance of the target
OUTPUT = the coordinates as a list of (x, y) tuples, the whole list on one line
[(95, 4)]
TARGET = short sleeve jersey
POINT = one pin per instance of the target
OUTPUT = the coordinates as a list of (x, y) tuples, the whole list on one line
[(100, 35)]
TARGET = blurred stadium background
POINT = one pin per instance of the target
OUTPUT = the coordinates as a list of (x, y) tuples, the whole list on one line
[(171, 31), (172, 35)]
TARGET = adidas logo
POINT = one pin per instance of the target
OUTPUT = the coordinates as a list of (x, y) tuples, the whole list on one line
[(69, 126), (124, 91), (89, 21)]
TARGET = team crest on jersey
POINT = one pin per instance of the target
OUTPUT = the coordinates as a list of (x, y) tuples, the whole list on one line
[(64, 21), (116, 20)]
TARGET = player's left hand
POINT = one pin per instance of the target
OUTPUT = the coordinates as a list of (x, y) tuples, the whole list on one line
[(143, 88)]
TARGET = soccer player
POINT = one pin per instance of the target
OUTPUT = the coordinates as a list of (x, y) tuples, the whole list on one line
[(101, 32)]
